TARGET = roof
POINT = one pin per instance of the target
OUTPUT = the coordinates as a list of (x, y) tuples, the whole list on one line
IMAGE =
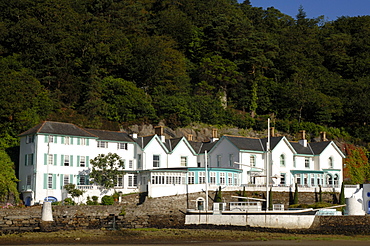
[(301, 150), (319, 147), (244, 143), (143, 141), (273, 142), (110, 135), (59, 128), (171, 143)]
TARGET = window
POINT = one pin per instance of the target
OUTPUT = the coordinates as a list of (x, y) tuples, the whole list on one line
[(66, 140), (336, 180), (231, 160), (307, 162), (50, 181), (139, 161), (236, 180), (132, 180), (329, 180), (82, 141), (50, 139), (50, 159), (191, 178), (184, 161), (305, 179), (312, 181), (155, 160), (218, 161), (65, 180), (230, 179), (282, 160), (298, 179), (30, 139), (82, 161), (102, 144), (122, 146), (82, 180), (282, 178), (28, 181), (28, 160), (66, 160), (213, 177), (202, 177), (119, 181), (294, 162), (130, 164), (252, 160), (222, 179), (331, 164)]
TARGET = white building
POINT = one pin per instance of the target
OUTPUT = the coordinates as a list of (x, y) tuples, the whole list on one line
[(53, 154)]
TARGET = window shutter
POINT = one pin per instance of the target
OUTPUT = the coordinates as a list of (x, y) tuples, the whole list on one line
[(55, 139), (87, 164), (87, 141), (25, 160), (78, 141), (71, 179), (46, 138), (45, 159), (62, 140), (87, 179), (78, 179), (61, 181), (45, 180), (61, 160), (54, 181), (71, 141), (55, 159), (78, 160), (71, 160)]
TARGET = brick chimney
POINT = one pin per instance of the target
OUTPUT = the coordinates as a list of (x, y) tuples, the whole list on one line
[(323, 136), (214, 135), (190, 137), (272, 131), (159, 132), (303, 141)]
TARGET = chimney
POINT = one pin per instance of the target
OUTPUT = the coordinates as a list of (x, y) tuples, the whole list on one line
[(303, 140), (323, 136), (158, 130), (272, 131), (214, 135), (134, 135), (190, 137)]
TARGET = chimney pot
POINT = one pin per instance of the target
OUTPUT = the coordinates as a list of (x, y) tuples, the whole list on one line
[(323, 136), (158, 130), (190, 137), (272, 131), (303, 134)]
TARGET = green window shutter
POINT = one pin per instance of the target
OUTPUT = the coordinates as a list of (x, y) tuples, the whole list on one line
[(25, 160), (71, 160), (61, 181), (54, 181), (55, 139), (45, 159), (78, 160), (71, 179), (78, 141), (87, 161), (71, 141), (61, 160), (78, 179), (45, 180), (55, 159), (46, 138), (87, 178), (62, 139), (87, 141)]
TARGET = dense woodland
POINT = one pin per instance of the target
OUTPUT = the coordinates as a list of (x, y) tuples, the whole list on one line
[(110, 63)]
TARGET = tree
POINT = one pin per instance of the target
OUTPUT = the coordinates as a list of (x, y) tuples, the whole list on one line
[(295, 199), (342, 199), (73, 191), (105, 169), (8, 180), (218, 197), (270, 199)]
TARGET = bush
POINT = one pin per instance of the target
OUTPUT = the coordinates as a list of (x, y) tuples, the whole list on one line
[(69, 201), (107, 200)]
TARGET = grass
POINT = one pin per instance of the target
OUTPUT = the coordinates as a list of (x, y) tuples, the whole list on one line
[(145, 235)]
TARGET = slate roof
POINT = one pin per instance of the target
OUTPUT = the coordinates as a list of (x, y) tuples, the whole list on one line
[(110, 135), (171, 143), (273, 142), (244, 143), (143, 141), (59, 128), (300, 149), (319, 147)]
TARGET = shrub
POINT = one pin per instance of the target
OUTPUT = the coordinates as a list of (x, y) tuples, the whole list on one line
[(107, 200), (69, 201)]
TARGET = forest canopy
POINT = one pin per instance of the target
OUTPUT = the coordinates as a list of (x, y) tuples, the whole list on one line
[(214, 61)]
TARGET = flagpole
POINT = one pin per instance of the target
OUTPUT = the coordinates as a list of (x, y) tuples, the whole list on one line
[(268, 164), (206, 176)]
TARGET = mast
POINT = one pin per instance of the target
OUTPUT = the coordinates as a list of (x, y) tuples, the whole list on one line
[(206, 176), (268, 163)]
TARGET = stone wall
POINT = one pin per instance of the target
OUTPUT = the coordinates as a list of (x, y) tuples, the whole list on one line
[(133, 212)]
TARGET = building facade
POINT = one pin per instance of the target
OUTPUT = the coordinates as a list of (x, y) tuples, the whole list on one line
[(53, 154)]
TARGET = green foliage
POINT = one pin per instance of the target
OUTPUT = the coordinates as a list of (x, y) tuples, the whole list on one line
[(342, 199), (295, 198), (357, 167), (107, 200), (73, 191), (218, 196), (69, 201), (105, 169), (8, 180)]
